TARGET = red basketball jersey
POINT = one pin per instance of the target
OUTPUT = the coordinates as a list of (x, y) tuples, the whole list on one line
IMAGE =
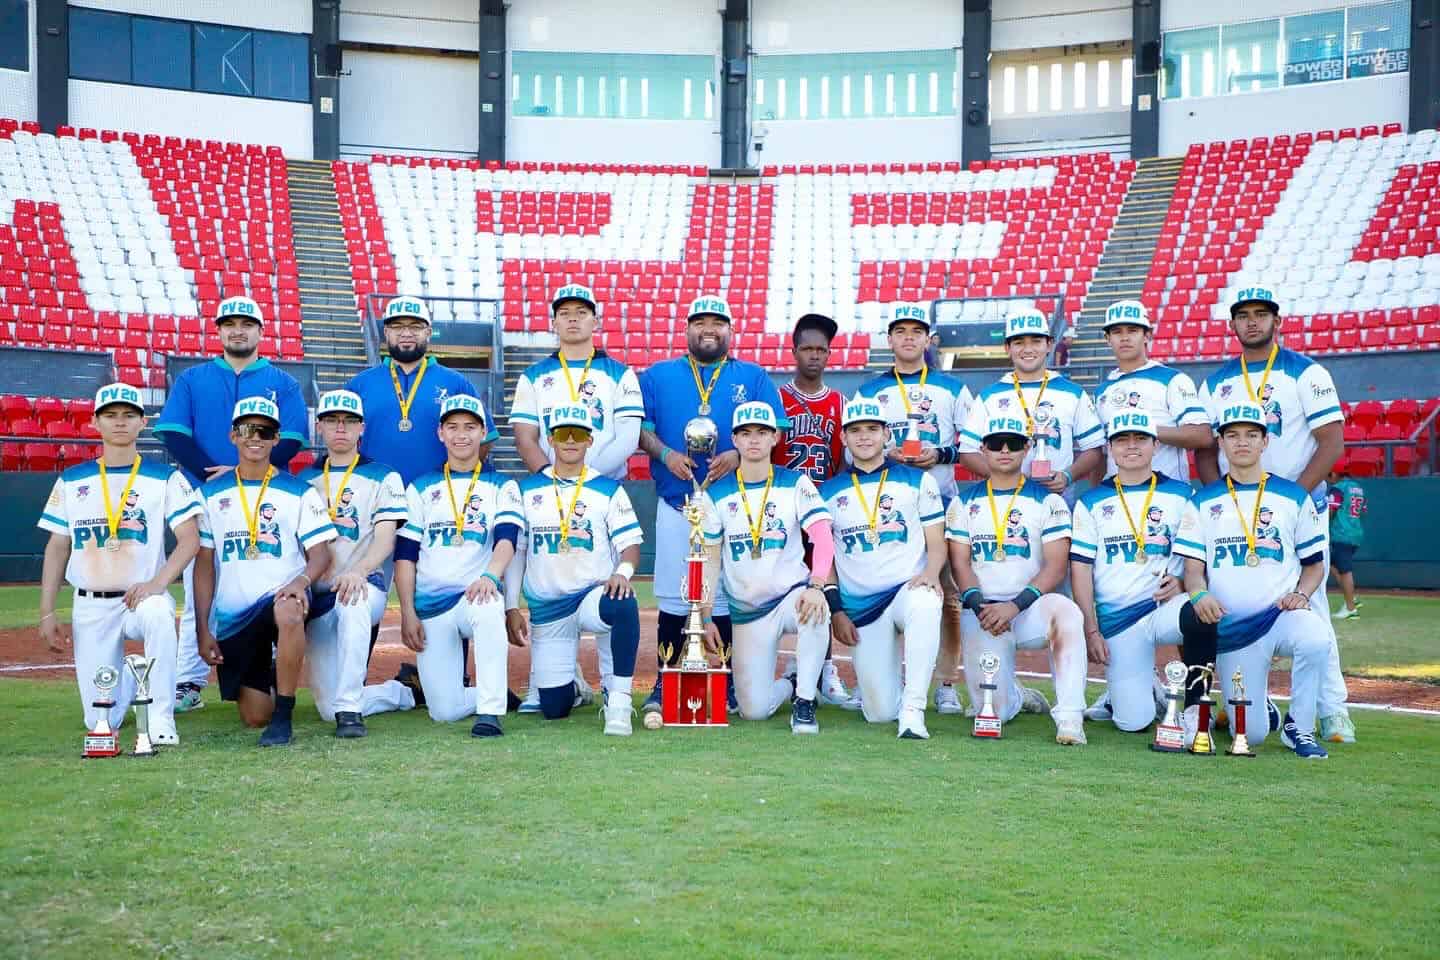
[(812, 442)]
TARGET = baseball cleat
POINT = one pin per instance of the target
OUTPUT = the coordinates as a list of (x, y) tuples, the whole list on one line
[(833, 692), (410, 677), (1070, 733), (165, 738), (802, 717), (487, 725), (1272, 714), (617, 712), (947, 701), (1303, 742), (1346, 613), (349, 725), (1336, 728), (1100, 711), (277, 734), (531, 703), (1033, 701), (912, 724), (584, 695), (187, 697), (1157, 690)]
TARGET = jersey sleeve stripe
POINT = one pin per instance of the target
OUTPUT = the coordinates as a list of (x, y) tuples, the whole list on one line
[(524, 417), (967, 435), (1085, 433), (927, 519), (1058, 528), (1081, 558), (184, 513), (625, 529), (1322, 414), (206, 540), (1308, 543), (820, 512), (48, 518), (320, 531), (396, 511), (510, 516), (951, 533), (1081, 545), (411, 532)]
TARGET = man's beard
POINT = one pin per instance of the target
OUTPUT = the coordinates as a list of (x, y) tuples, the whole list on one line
[(407, 354), (707, 354), (241, 352)]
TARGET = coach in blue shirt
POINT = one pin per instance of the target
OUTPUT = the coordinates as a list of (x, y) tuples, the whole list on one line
[(402, 396)]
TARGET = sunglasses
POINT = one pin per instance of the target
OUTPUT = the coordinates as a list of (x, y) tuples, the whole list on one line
[(570, 434), (1009, 442), (262, 431)]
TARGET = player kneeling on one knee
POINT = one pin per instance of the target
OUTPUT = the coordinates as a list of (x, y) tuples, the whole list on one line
[(1009, 546), (1254, 548), (889, 529), (575, 542), (1125, 576)]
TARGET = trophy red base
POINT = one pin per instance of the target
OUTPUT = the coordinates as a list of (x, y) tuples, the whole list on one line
[(1203, 745), (101, 742), (694, 694), (1240, 745), (988, 727), (1168, 739), (910, 448)]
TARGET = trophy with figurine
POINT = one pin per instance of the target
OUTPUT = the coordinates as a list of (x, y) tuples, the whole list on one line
[(692, 694)]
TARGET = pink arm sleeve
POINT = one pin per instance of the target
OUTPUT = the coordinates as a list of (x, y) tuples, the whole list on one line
[(822, 553)]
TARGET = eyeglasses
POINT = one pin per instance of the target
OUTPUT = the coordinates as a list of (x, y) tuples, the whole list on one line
[(262, 431), (349, 423), (1008, 441), (570, 434), (399, 327)]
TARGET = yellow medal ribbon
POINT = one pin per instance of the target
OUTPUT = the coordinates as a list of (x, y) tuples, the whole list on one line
[(252, 520), (905, 394), (1264, 377), (750, 518), (872, 514), (565, 368), (404, 399), (1249, 531), (1020, 394), (995, 516), (455, 510), (112, 516), (1136, 531), (705, 390), (329, 500), (567, 517)]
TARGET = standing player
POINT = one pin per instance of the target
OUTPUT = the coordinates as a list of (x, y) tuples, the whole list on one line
[(581, 544), (1347, 506), (366, 502), (1009, 546), (1259, 599), (889, 526), (811, 443), (250, 600), (195, 427), (1139, 383), (121, 576), (930, 406), (706, 382), (441, 577), (754, 543), (1306, 436), (1126, 583)]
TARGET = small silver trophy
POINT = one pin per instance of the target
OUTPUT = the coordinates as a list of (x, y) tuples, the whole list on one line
[(701, 436), (987, 721), (101, 741), (140, 668), (1169, 735)]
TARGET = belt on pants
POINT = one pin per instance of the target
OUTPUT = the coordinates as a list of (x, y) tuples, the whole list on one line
[(100, 594)]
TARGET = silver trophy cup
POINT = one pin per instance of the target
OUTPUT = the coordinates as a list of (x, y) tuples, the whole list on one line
[(140, 668), (701, 436), (987, 720)]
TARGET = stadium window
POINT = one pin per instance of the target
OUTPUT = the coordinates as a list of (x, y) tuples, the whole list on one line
[(934, 92), (282, 66), (1032, 89), (1057, 87), (644, 97), (99, 45), (1186, 55), (845, 96), (514, 87), (912, 93), (161, 53), (824, 96), (1377, 39), (224, 60), (14, 35), (1251, 54), (955, 90), (889, 94), (780, 98), (624, 97), (1127, 81), (1314, 47), (1080, 85), (869, 95), (559, 105), (709, 99), (1007, 87), (539, 97), (1208, 81), (600, 96), (1102, 85), (759, 91), (803, 97), (580, 96), (687, 93)]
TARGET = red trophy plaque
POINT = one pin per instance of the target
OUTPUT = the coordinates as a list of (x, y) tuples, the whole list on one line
[(910, 447), (1169, 735), (102, 741), (1203, 744), (987, 721), (693, 694)]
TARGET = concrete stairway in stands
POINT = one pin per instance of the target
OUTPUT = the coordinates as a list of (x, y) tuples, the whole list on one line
[(333, 338), (517, 358)]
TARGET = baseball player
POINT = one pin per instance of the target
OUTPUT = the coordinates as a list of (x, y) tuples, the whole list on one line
[(706, 382), (262, 544), (440, 574), (195, 428), (1139, 383), (929, 406), (1126, 582), (754, 542), (366, 503), (1347, 507), (1259, 598), (581, 544), (888, 524), (1306, 427), (106, 522), (1009, 544)]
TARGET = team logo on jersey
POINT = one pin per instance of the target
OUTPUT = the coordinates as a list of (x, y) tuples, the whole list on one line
[(1132, 399), (441, 395), (224, 503), (734, 507), (774, 535), (1047, 425), (738, 393), (974, 510), (1158, 534), (842, 501), (81, 491), (547, 383), (132, 520), (1015, 539), (537, 499), (347, 515), (582, 532), (1003, 403), (1267, 536), (267, 531), (889, 524), (1107, 511), (1274, 421), (591, 402), (435, 495), (1224, 391), (477, 527)]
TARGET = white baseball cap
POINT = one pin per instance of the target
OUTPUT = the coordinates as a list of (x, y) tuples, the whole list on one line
[(1132, 421), (756, 413), (340, 401), (1005, 426), (1123, 312), (862, 411), (239, 307), (256, 407), (462, 403), (573, 291), (1251, 291), (407, 308), (1027, 323), (712, 305), (113, 393), (1241, 413), (908, 313), (571, 415)]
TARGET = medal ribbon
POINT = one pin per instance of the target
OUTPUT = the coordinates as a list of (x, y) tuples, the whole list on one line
[(405, 400), (1144, 512), (565, 368), (871, 513), (905, 394), (1255, 514), (995, 516), (705, 390), (1020, 394), (112, 517), (566, 518), (252, 520), (455, 511), (1264, 377), (329, 500), (755, 524)]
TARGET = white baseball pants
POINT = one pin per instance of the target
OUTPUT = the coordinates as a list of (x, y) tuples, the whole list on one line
[(442, 662), (1298, 634), (915, 612), (337, 651), (100, 629), (1052, 621), (756, 647)]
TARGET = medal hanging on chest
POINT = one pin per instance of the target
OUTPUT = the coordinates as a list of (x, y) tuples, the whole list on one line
[(113, 516), (755, 521), (252, 520), (407, 399), (705, 389), (455, 509), (1252, 555), (567, 518), (871, 534)]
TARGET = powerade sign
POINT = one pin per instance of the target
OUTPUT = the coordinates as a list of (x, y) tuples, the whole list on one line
[(1314, 71), (1376, 63)]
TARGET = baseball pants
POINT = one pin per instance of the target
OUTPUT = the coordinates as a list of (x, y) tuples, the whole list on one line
[(1298, 634), (1333, 692), (1130, 674), (337, 651), (1052, 621), (915, 612), (756, 647), (554, 646), (672, 545), (100, 629), (189, 668), (442, 662)]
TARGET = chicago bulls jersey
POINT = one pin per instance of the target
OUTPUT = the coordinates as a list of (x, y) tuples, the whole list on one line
[(811, 444)]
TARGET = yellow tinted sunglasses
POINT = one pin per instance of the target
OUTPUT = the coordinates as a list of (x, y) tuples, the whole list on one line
[(569, 434)]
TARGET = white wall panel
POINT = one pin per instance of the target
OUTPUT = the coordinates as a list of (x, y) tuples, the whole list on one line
[(616, 26), (116, 106), (291, 16), (397, 103), (839, 26), (17, 87), (861, 141), (1178, 16), (438, 24), (613, 141), (1023, 24)]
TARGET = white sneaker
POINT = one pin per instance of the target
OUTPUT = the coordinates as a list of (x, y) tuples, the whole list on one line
[(1162, 702), (618, 710), (1033, 701), (1099, 711), (833, 692), (912, 724), (531, 703), (1070, 733), (165, 737), (947, 700), (1345, 613), (584, 693)]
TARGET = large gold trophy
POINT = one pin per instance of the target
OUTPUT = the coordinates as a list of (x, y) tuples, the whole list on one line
[(693, 694)]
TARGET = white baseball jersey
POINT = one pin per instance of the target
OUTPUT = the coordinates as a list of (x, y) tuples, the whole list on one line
[(1124, 575), (160, 497), (292, 519), (1288, 533), (1071, 422), (373, 492), (449, 560), (1165, 393), (1035, 518), (937, 412), (1298, 397), (609, 390), (872, 565), (756, 586), (601, 524)]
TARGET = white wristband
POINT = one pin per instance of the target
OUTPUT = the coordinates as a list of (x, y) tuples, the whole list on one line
[(626, 570)]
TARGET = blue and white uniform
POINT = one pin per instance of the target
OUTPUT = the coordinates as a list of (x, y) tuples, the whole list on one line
[(1065, 420), (1168, 395), (609, 390), (935, 415)]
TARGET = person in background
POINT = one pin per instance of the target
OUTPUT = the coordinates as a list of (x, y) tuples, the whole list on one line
[(1347, 506)]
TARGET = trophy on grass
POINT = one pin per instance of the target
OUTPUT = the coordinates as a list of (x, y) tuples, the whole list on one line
[(1240, 745), (987, 721), (694, 687), (101, 741), (1169, 735), (1202, 743), (140, 668)]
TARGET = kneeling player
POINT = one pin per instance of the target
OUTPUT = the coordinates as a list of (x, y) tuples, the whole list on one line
[(366, 504), (755, 544), (1009, 544), (116, 560), (1254, 548), (262, 543), (889, 523), (1124, 578), (576, 525)]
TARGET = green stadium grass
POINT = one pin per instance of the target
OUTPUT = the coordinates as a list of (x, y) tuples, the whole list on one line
[(20, 604), (555, 841), (1392, 637)]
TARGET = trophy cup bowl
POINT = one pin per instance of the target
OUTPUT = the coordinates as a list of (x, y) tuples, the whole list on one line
[(1169, 735), (1240, 744), (140, 668), (701, 437), (987, 721), (101, 741)]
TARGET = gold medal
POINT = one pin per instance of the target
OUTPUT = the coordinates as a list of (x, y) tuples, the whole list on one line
[(252, 520), (703, 409), (565, 546), (113, 545), (755, 553), (872, 514), (252, 552), (754, 522), (406, 399), (455, 510), (112, 516), (405, 426), (995, 516), (1137, 531), (325, 473), (1252, 559), (567, 517)]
